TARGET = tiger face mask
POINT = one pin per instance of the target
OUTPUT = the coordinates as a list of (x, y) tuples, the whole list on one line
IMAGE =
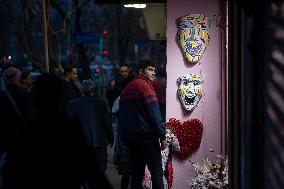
[(192, 36)]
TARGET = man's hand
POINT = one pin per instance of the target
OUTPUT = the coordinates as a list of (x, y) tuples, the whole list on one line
[(163, 143)]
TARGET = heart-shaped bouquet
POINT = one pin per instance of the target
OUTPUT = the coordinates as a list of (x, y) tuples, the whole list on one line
[(189, 134)]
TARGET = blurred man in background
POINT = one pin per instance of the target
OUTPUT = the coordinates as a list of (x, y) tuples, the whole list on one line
[(27, 81)]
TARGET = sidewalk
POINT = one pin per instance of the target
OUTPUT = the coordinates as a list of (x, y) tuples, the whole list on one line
[(111, 172)]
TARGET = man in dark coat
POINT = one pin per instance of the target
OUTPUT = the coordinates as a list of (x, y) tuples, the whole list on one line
[(125, 76), (71, 90), (95, 120), (15, 112), (11, 118)]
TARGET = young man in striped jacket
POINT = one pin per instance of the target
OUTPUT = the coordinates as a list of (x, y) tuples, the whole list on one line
[(141, 127)]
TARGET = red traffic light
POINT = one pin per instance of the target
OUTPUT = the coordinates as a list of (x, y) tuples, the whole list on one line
[(98, 70), (105, 52), (105, 32)]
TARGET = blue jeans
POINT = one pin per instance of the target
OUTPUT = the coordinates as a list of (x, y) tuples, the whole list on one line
[(145, 152)]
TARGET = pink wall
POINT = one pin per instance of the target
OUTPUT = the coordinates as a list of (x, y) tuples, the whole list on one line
[(211, 107)]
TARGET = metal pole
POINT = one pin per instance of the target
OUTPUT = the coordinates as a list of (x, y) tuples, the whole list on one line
[(45, 36)]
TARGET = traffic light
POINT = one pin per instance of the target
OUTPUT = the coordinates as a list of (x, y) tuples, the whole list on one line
[(105, 32), (104, 42), (6, 59), (105, 52), (98, 70)]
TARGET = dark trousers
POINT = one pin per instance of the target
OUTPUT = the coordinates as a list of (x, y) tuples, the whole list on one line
[(99, 155), (125, 181), (146, 152)]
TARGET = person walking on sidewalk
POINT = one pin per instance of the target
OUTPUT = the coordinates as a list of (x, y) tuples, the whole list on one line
[(71, 90), (52, 151), (121, 155), (15, 112), (95, 119)]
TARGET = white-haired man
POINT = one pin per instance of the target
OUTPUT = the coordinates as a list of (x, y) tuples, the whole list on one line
[(15, 110), (15, 107)]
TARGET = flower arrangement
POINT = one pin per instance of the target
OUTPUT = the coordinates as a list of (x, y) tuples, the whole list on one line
[(211, 175), (189, 134), (172, 146)]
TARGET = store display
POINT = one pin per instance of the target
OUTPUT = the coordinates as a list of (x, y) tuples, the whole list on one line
[(190, 90), (193, 36), (211, 175), (189, 134)]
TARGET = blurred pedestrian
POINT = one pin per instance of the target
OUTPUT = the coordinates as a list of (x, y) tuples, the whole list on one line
[(112, 94), (53, 151), (125, 76), (95, 120), (26, 81), (71, 90), (15, 111), (121, 155)]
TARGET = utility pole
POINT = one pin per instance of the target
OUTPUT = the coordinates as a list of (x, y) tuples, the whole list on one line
[(45, 36)]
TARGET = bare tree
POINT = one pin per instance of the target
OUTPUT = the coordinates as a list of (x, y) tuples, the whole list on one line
[(124, 25), (65, 18), (28, 17)]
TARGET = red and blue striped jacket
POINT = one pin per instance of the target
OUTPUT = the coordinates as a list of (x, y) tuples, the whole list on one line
[(139, 114)]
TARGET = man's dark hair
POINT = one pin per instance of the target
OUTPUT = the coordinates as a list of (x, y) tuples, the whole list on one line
[(68, 69), (24, 76), (124, 65), (144, 63)]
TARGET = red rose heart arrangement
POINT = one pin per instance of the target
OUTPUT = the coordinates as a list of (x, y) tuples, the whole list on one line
[(189, 134)]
